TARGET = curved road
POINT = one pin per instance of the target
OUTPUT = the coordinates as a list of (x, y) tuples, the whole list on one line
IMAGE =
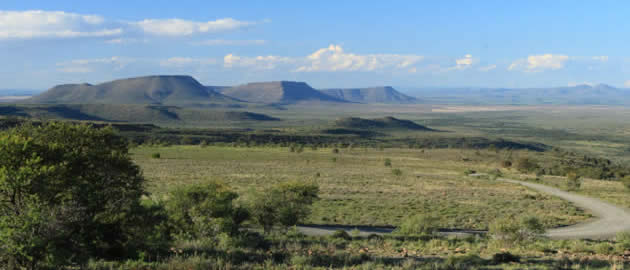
[(609, 219)]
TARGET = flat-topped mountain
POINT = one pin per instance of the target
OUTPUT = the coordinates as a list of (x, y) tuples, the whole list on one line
[(379, 123), (165, 90), (280, 92), (383, 94)]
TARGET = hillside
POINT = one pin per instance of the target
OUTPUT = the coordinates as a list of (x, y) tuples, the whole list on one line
[(600, 94), (379, 123), (384, 94), (280, 92), (163, 90), (130, 113)]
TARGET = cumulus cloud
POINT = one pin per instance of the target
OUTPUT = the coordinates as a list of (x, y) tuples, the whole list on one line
[(463, 63), (627, 84), (258, 62), (89, 65), (59, 24), (537, 63), (334, 58), (53, 24), (223, 42)]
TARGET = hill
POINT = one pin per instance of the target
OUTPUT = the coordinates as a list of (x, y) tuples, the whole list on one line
[(163, 90), (600, 94), (130, 113), (379, 123), (280, 92), (384, 94)]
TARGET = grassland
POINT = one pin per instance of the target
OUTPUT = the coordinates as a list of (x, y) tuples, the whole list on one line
[(356, 186)]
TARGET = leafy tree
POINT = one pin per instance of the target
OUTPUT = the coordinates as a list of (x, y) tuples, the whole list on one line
[(67, 193), (205, 210), (284, 204)]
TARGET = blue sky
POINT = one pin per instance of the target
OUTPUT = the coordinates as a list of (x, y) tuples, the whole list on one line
[(325, 43)]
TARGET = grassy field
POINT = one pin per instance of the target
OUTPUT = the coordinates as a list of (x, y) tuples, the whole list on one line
[(357, 188)]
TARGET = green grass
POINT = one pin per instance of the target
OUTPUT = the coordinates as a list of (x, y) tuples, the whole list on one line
[(357, 189)]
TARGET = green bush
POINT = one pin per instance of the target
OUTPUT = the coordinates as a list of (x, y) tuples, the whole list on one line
[(284, 204), (505, 257), (397, 172), (511, 230), (68, 193), (525, 164), (626, 181), (205, 210), (418, 225), (574, 181), (155, 155), (388, 162)]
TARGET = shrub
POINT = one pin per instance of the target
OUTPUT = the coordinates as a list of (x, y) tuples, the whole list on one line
[(335, 151), (505, 257), (284, 204), (626, 181), (510, 230), (525, 164), (388, 162), (67, 193), (418, 225), (205, 210), (397, 172), (155, 155), (573, 181), (506, 163)]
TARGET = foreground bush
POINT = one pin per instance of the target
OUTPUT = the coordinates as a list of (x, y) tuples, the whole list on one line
[(284, 204), (418, 225), (69, 193), (511, 230), (205, 211)]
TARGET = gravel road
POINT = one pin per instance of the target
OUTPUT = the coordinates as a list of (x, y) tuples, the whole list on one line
[(607, 222), (609, 219)]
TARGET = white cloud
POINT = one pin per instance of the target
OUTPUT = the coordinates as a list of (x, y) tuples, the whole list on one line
[(179, 27), (463, 63), (334, 58), (32, 24), (180, 62), (89, 65), (487, 68), (52, 24), (258, 62), (537, 63), (602, 58), (627, 84), (223, 42)]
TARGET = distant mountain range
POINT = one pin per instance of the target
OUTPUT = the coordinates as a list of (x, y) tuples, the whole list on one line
[(185, 90), (384, 94), (600, 94)]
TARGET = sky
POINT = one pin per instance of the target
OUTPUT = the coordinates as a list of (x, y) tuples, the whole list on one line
[(516, 44)]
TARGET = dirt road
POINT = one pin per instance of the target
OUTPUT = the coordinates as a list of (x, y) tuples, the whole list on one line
[(608, 221)]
